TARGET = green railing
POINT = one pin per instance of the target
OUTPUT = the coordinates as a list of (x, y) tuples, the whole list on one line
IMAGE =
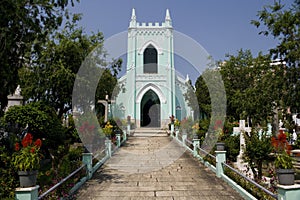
[(217, 164), (31, 193)]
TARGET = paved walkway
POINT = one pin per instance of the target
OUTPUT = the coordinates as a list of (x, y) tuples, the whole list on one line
[(154, 167)]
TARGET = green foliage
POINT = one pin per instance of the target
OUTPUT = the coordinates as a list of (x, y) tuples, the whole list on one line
[(204, 124), (107, 85), (8, 178), (26, 161), (24, 27), (232, 144), (71, 133), (203, 98), (70, 161), (27, 157), (67, 161), (283, 161), (51, 76), (252, 86), (283, 23), (40, 120), (252, 189), (258, 149)]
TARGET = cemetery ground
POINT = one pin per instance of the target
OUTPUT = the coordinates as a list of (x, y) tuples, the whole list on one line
[(184, 174)]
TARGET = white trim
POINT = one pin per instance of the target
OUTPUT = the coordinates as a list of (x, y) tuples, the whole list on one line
[(142, 49), (153, 87)]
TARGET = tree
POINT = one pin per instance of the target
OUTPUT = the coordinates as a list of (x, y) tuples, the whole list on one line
[(203, 99), (284, 24), (38, 119), (258, 149), (254, 86), (191, 98), (24, 26), (234, 72), (50, 78)]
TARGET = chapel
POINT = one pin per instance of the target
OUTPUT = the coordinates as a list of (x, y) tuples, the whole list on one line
[(151, 90)]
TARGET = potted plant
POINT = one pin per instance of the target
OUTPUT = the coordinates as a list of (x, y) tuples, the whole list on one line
[(196, 128), (220, 145), (177, 124), (285, 172), (283, 161), (108, 129), (26, 160)]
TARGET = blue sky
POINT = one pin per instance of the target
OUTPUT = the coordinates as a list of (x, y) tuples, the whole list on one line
[(221, 27)]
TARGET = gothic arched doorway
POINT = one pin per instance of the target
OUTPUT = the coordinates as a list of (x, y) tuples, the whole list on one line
[(150, 110)]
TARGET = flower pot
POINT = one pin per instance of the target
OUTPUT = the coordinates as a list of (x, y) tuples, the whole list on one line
[(220, 146), (286, 176), (27, 178)]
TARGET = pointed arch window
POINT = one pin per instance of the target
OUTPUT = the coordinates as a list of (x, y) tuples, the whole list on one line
[(150, 60)]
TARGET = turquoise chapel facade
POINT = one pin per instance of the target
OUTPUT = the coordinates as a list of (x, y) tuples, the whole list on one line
[(150, 90)]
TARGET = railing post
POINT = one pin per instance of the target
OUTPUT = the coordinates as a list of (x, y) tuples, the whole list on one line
[(28, 193), (87, 158), (118, 135), (128, 128), (184, 136), (288, 192), (124, 135), (196, 144), (108, 147), (172, 129), (220, 158)]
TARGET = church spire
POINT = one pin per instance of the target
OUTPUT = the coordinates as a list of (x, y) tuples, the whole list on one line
[(168, 20), (133, 19)]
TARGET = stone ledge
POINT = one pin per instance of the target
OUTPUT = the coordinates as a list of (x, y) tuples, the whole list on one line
[(26, 189)]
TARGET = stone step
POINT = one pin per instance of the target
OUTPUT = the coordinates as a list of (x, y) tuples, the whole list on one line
[(149, 132)]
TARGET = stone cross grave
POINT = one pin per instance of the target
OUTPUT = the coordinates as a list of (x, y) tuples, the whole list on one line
[(240, 164)]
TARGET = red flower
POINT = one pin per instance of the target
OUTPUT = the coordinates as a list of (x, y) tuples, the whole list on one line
[(280, 143), (27, 140), (282, 137), (32, 150), (17, 146), (38, 143)]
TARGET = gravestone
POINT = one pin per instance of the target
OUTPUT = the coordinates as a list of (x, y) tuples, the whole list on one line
[(240, 164), (14, 99), (269, 131), (295, 137), (281, 127)]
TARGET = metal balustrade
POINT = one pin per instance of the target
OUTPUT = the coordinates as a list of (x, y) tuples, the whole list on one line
[(62, 181), (271, 194), (220, 164), (90, 170), (284, 192)]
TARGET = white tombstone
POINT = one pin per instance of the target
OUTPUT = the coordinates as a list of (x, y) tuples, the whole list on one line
[(269, 131), (240, 164), (15, 99), (294, 136), (242, 129), (280, 124)]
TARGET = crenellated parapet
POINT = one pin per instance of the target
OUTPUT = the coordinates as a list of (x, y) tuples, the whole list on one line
[(150, 25)]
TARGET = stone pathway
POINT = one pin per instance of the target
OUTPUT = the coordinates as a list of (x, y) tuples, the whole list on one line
[(154, 167)]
